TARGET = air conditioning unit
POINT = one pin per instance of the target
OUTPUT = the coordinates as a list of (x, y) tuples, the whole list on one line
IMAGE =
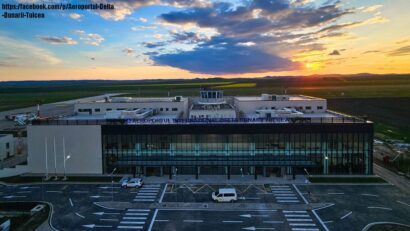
[(178, 98)]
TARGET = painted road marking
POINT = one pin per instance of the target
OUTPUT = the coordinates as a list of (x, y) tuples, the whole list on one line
[(300, 194), (136, 214), (194, 221), (144, 200), (138, 210), (375, 207), (297, 220), (253, 228), (328, 222), (133, 222), (273, 222), (294, 211), (348, 214), (163, 193), (153, 220), (301, 224), (305, 229), (288, 201), (79, 215), (102, 213), (369, 195), (71, 202), (297, 215), (403, 203), (108, 219), (129, 227), (134, 218), (286, 198), (92, 226)]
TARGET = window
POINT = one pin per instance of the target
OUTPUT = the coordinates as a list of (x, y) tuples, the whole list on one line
[(109, 109), (319, 108), (161, 109), (272, 108), (308, 107), (97, 110), (167, 109), (7, 145), (174, 109)]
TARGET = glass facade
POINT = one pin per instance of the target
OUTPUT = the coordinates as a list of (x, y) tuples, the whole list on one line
[(238, 148)]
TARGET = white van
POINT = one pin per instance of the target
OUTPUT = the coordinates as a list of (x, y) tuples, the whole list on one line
[(225, 195)]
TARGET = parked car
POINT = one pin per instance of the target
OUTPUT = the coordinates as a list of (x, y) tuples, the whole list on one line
[(225, 195), (124, 179), (132, 183)]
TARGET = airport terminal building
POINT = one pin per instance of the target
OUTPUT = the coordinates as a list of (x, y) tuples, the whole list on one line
[(267, 135)]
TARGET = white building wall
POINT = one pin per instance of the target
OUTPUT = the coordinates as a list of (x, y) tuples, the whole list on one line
[(212, 114), (82, 143), (6, 146), (101, 108), (250, 106)]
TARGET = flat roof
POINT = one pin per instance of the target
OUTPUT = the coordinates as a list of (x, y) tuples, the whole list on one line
[(291, 98)]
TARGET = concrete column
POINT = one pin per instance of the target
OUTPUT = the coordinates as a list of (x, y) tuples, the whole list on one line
[(196, 172), (161, 171)]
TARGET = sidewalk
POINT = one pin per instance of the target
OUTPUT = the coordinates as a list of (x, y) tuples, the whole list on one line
[(222, 179)]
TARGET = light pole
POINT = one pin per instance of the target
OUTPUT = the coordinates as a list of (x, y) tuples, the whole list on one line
[(326, 165), (241, 172), (176, 171), (112, 184), (65, 159)]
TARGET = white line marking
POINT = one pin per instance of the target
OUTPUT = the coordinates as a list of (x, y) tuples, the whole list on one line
[(286, 198), (108, 219), (318, 218), (163, 192), (195, 221), (153, 220), (273, 222), (136, 214), (297, 220), (284, 194), (129, 227), (348, 214), (279, 186), (375, 207), (297, 215), (328, 222), (232, 221), (305, 229), (138, 210), (71, 202), (301, 224), (296, 211), (147, 193), (133, 222), (134, 218), (79, 215), (369, 195), (300, 194), (403, 203), (144, 200), (161, 220), (288, 201)]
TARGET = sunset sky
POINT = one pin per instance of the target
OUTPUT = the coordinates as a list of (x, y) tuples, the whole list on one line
[(146, 39)]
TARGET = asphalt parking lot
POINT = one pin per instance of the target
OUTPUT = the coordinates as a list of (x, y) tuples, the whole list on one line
[(355, 206), (349, 207)]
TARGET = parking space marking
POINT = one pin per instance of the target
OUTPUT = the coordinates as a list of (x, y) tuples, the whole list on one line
[(108, 219), (297, 211), (133, 222), (193, 221), (305, 229), (54, 191), (134, 218), (376, 207), (273, 222), (136, 214), (300, 194), (79, 215), (403, 203), (302, 224), (163, 193), (129, 227), (369, 195), (297, 215), (232, 221), (293, 220), (153, 220), (71, 202), (348, 214), (138, 210)]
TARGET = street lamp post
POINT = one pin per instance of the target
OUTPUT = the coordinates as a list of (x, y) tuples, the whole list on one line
[(65, 159), (112, 184), (241, 172)]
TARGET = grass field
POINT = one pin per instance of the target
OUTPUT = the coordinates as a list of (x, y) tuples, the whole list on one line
[(384, 99)]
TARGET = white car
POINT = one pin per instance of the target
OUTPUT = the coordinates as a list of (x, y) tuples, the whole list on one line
[(132, 183), (225, 195)]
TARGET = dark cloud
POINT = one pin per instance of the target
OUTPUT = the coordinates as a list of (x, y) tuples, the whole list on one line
[(371, 52), (225, 58), (401, 51), (335, 52), (57, 40)]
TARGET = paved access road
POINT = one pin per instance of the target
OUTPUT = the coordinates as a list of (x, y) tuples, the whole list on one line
[(74, 206), (355, 206)]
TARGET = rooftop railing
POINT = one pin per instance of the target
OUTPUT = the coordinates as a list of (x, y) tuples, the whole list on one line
[(164, 121)]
